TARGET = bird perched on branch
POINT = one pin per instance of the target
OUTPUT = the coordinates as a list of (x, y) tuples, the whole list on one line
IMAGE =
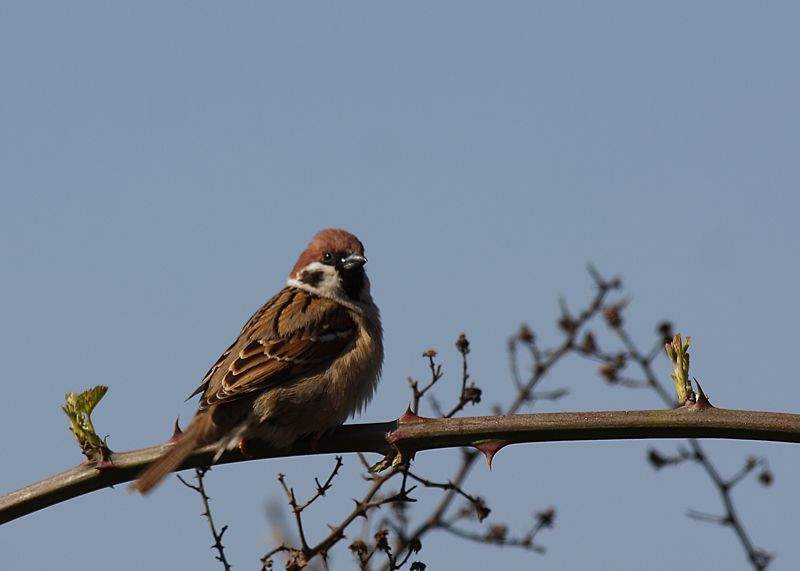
[(305, 361)]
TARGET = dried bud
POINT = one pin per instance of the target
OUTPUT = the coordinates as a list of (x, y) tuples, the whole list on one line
[(382, 539), (547, 517), (765, 477), (482, 511), (465, 511), (462, 344), (613, 315), (525, 335), (415, 545), (656, 459), (567, 323), (609, 371), (358, 547), (664, 330), (472, 394), (497, 533), (430, 353), (418, 566), (589, 345)]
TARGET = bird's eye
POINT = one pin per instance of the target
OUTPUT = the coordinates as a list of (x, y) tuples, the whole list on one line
[(327, 257)]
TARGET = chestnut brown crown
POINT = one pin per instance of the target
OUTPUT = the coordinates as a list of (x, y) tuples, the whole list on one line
[(328, 246)]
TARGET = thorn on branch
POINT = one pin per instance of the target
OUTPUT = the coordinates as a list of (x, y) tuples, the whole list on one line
[(176, 431), (489, 448), (701, 401)]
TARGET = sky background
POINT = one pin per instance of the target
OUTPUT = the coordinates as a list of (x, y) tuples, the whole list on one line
[(163, 164)]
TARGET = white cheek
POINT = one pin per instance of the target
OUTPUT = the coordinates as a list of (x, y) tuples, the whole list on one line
[(330, 284)]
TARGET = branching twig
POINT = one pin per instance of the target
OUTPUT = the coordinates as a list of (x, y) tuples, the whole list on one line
[(436, 374), (297, 509), (498, 534), (758, 558), (409, 435), (571, 326), (201, 490)]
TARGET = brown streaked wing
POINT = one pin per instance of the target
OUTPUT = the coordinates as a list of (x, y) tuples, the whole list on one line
[(203, 386), (282, 345), (263, 315)]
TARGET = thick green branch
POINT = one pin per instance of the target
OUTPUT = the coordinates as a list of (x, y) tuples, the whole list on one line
[(431, 434)]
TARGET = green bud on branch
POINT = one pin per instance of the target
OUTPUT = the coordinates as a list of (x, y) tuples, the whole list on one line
[(78, 408), (678, 353)]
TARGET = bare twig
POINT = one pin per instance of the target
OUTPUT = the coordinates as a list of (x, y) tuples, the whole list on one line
[(299, 558), (758, 558), (498, 534), (297, 509), (571, 326), (410, 436), (217, 535), (436, 374)]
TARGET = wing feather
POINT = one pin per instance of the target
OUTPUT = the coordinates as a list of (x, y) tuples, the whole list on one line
[(293, 334)]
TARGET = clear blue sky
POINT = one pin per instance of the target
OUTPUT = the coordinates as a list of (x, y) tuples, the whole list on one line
[(161, 166)]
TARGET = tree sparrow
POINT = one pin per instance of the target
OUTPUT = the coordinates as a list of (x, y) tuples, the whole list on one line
[(305, 361)]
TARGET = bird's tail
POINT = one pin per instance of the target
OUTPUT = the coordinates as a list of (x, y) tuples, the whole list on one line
[(196, 434)]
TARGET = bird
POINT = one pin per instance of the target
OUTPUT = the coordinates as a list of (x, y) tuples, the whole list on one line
[(306, 361)]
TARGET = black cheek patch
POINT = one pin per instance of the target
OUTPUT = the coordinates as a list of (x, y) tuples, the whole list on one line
[(313, 279), (353, 282)]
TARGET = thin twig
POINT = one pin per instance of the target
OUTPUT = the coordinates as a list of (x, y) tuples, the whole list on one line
[(201, 490), (541, 365), (758, 558)]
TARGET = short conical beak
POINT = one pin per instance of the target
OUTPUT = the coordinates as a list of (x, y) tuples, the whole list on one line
[(354, 261)]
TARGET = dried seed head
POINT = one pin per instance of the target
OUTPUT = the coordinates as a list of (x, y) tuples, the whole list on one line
[(462, 344), (589, 345), (547, 517), (656, 459), (525, 334), (472, 394), (497, 533), (567, 323), (613, 315), (358, 547)]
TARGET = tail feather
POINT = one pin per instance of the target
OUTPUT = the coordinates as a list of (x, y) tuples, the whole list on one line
[(195, 435)]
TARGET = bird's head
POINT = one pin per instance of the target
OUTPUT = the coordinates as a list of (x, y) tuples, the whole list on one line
[(333, 266)]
